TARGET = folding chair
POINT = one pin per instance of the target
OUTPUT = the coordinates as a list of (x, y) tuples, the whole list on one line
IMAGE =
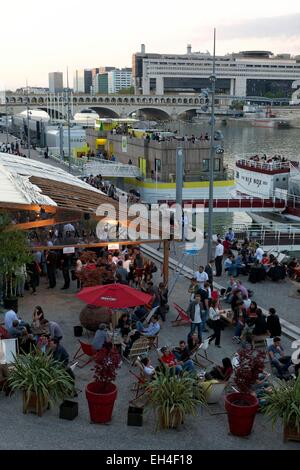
[(203, 347), (139, 348), (86, 350), (182, 318), (141, 379)]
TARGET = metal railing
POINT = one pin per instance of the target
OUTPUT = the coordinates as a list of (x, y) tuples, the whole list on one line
[(262, 165)]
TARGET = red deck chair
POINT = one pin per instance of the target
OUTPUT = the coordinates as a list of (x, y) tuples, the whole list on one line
[(182, 318), (85, 350)]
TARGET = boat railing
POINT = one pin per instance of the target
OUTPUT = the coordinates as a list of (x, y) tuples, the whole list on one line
[(262, 165)]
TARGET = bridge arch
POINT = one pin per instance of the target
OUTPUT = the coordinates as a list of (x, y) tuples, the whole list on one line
[(105, 112), (53, 113), (187, 113), (157, 114)]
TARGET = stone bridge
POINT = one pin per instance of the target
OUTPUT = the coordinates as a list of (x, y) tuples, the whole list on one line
[(114, 106)]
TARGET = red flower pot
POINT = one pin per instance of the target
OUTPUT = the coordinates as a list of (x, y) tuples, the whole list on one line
[(101, 399), (241, 410)]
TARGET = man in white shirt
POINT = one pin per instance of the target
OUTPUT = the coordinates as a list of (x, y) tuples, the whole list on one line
[(194, 311), (219, 257), (201, 277), (9, 318), (259, 254)]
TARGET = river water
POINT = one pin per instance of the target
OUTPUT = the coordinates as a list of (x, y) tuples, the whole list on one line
[(244, 141)]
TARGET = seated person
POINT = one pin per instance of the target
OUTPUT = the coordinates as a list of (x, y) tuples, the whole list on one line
[(139, 314), (278, 358), (152, 330), (124, 324), (277, 272), (183, 354), (101, 337), (43, 343), (37, 316), (169, 359), (16, 331), (133, 336), (257, 273), (193, 342), (149, 370), (58, 352), (260, 324), (262, 387), (222, 373)]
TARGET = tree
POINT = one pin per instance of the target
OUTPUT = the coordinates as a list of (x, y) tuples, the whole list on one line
[(127, 91), (14, 253)]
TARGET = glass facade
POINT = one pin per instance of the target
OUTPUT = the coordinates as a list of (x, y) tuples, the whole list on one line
[(273, 88), (175, 84)]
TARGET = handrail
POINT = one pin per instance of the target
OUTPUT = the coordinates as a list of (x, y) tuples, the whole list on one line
[(262, 165)]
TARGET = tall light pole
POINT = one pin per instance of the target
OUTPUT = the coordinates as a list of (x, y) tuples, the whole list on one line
[(28, 124), (212, 155), (69, 120), (6, 112)]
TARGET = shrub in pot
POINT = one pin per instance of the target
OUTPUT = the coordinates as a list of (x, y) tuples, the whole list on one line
[(42, 380), (174, 397), (14, 253), (284, 403), (242, 406), (102, 393)]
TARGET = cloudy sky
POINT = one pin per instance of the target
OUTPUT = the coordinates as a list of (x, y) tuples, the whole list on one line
[(38, 36)]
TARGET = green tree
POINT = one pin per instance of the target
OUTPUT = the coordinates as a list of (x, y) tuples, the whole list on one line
[(127, 91), (14, 253)]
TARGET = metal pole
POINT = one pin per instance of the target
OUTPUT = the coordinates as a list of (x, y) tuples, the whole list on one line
[(179, 184), (69, 120), (212, 155), (6, 111), (28, 124)]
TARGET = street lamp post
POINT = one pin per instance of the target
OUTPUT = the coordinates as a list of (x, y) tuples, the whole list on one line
[(69, 121), (6, 112), (28, 125), (212, 156)]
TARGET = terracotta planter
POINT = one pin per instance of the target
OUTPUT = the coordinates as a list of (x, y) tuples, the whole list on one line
[(101, 399), (34, 405), (290, 433), (241, 410)]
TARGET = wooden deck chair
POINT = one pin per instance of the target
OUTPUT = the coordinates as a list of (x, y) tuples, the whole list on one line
[(141, 379), (85, 349), (153, 341), (202, 348), (182, 318), (139, 348)]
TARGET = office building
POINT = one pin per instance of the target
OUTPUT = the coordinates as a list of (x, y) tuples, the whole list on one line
[(100, 79), (56, 82), (119, 79), (83, 81), (247, 73)]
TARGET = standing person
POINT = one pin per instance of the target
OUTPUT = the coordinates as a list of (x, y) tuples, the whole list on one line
[(65, 266), (259, 254), (201, 277), (194, 311), (210, 273), (51, 261), (273, 324), (193, 289), (219, 257), (214, 316)]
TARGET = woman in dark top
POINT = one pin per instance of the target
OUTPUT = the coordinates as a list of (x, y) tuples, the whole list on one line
[(260, 325), (273, 324), (223, 372), (124, 324)]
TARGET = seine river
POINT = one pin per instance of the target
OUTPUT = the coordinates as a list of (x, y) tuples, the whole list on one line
[(241, 141)]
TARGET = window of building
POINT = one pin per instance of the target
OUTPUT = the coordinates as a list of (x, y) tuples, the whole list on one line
[(205, 165), (157, 165), (217, 164)]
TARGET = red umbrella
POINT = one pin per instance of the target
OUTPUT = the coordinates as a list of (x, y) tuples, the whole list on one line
[(114, 296)]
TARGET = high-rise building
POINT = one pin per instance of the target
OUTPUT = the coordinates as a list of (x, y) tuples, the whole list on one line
[(119, 79), (100, 84), (83, 81), (56, 82)]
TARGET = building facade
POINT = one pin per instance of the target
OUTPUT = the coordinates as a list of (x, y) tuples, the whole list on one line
[(248, 73), (83, 81), (56, 82), (119, 79)]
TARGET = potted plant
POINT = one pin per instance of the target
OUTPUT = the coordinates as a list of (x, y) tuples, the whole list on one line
[(174, 397), (242, 406), (42, 380), (14, 253), (102, 393), (284, 403)]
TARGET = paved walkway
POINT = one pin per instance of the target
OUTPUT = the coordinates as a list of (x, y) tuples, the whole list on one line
[(49, 432)]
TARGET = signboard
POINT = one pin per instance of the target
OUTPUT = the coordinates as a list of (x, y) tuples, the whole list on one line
[(124, 144), (69, 250), (113, 247), (254, 184)]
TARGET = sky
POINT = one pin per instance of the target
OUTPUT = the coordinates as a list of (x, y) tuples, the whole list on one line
[(38, 37)]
